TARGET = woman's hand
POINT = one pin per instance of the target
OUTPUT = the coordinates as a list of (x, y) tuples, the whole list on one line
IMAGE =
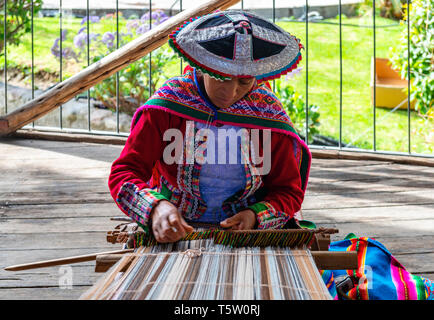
[(243, 220), (167, 223)]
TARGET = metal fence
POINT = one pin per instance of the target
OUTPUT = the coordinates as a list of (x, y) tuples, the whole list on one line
[(177, 6)]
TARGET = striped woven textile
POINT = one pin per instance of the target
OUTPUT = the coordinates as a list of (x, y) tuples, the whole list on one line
[(203, 270), (379, 276)]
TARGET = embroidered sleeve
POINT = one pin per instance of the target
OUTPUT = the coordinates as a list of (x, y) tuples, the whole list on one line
[(267, 216), (138, 204), (283, 185), (130, 183)]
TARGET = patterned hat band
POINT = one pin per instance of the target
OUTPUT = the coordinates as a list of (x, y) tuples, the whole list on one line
[(235, 43)]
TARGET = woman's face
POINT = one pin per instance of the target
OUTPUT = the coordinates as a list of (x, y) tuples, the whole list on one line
[(223, 94)]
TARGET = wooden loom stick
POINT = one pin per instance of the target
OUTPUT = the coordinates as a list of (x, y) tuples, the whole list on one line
[(104, 68), (104, 262), (242, 238), (335, 260), (62, 261), (324, 260)]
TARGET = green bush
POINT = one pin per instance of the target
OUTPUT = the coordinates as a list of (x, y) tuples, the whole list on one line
[(18, 18), (294, 105), (391, 9), (421, 54)]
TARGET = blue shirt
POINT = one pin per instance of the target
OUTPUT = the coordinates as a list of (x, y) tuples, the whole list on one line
[(222, 178)]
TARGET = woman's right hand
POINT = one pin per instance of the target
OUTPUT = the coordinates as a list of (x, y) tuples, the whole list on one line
[(167, 223)]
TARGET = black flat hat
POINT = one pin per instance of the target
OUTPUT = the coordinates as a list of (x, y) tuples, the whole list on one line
[(236, 43)]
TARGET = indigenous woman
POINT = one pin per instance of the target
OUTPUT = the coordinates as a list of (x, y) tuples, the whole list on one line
[(177, 168)]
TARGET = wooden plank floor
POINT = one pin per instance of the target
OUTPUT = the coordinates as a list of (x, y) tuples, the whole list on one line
[(54, 202)]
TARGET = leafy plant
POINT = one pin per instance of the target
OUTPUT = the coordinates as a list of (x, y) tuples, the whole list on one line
[(134, 82), (421, 54), (18, 19), (391, 9), (422, 130), (295, 106)]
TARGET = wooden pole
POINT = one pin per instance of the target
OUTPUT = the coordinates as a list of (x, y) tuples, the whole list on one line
[(62, 261), (104, 68)]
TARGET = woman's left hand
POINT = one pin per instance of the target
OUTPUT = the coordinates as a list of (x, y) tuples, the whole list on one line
[(243, 220)]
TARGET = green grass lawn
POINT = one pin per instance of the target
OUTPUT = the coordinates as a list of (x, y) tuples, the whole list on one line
[(357, 110), (323, 77)]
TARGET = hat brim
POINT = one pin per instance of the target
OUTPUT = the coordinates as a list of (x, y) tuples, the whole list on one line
[(268, 68)]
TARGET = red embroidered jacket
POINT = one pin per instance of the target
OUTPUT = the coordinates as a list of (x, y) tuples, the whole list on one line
[(140, 178)]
